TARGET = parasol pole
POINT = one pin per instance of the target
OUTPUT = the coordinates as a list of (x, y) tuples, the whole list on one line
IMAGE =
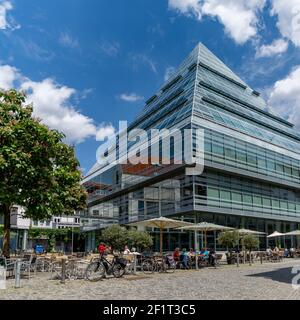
[(161, 241)]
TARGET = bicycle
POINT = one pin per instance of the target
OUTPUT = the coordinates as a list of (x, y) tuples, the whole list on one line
[(100, 267), (159, 264)]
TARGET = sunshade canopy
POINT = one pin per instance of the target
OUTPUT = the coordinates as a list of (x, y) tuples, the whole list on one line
[(275, 234), (293, 233), (161, 223), (205, 226)]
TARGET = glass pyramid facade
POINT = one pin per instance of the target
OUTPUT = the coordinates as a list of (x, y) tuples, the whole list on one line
[(252, 159)]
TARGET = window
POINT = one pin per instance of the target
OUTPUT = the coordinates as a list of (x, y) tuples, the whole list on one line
[(266, 202), (279, 168), (261, 163), (213, 193), (247, 199), (229, 153), (283, 205), (257, 200), (236, 196), (225, 195), (251, 159), (275, 203), (218, 149), (241, 156), (271, 165)]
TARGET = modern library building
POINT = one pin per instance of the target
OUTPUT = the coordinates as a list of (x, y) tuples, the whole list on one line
[(251, 176)]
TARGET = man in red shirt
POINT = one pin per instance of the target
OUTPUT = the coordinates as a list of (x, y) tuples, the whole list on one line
[(102, 248)]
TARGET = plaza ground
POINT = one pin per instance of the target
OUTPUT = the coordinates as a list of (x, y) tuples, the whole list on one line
[(257, 282)]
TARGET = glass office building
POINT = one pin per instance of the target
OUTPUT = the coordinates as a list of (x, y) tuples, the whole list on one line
[(252, 160)]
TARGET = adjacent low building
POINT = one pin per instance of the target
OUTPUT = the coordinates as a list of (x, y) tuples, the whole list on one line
[(252, 160)]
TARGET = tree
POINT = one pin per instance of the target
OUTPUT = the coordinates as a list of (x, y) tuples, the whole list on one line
[(229, 239), (250, 242), (115, 236), (37, 169), (139, 239)]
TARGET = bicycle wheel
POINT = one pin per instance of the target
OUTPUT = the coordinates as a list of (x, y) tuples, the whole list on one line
[(170, 267), (95, 271), (147, 267), (118, 271)]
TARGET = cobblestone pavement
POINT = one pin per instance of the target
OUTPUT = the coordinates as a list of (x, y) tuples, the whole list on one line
[(267, 281)]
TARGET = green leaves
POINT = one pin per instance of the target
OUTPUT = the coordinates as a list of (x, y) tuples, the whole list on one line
[(229, 239), (37, 169)]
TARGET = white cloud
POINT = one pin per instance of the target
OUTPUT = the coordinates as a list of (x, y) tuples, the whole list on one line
[(105, 131), (276, 47), (187, 7), (240, 18), (132, 97), (169, 72), (52, 103), (4, 7), (8, 75), (7, 22), (67, 40), (288, 13), (284, 97)]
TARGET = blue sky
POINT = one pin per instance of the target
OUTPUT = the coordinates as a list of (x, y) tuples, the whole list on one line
[(86, 64)]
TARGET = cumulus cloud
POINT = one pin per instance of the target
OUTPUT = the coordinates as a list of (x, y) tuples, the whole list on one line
[(278, 46), (105, 131), (187, 7), (132, 97), (288, 13), (240, 18), (4, 7), (8, 75), (284, 97), (52, 103), (7, 22)]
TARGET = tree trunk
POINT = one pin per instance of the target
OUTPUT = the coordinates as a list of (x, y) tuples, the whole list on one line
[(6, 234)]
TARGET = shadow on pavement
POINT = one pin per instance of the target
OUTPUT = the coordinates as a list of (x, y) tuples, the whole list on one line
[(281, 275)]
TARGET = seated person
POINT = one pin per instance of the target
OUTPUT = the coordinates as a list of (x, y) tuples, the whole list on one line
[(191, 252), (212, 257), (204, 253), (126, 250), (269, 251), (184, 258), (176, 254), (276, 250)]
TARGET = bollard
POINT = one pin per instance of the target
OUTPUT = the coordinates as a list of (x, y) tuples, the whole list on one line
[(63, 271), (2, 278), (134, 265), (18, 273), (261, 258)]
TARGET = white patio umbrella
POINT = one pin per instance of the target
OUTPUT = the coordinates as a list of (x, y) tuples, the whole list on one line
[(161, 223), (295, 233), (248, 231), (275, 234), (205, 227)]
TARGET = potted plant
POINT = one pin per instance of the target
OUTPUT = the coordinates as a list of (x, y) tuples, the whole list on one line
[(230, 240), (250, 242)]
